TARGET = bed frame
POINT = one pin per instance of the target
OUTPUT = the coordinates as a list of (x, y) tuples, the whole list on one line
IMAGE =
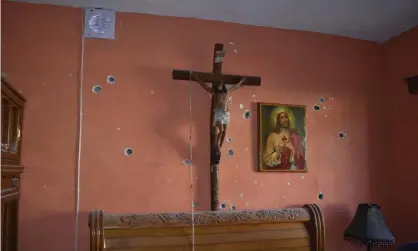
[(291, 229)]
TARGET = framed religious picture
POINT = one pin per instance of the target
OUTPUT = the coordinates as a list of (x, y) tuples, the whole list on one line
[(281, 138)]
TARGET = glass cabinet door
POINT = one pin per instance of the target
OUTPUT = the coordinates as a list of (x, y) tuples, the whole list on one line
[(11, 124)]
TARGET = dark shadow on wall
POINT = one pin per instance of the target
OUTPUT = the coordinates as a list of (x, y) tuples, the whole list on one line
[(254, 136), (177, 117)]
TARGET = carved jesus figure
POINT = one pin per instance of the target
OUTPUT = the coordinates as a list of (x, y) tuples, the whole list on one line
[(221, 115)]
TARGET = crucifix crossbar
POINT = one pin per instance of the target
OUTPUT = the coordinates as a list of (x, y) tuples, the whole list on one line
[(216, 78)]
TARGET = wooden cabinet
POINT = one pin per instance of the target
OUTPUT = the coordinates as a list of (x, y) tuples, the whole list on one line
[(12, 107)]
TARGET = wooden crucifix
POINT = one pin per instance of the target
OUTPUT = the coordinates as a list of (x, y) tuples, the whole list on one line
[(222, 84)]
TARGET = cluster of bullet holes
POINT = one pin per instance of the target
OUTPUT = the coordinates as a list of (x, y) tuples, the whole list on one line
[(97, 89), (230, 152), (247, 114), (224, 206), (320, 196), (129, 151)]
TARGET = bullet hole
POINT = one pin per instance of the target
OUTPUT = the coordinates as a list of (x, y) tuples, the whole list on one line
[(152, 92), (229, 140), (231, 42), (316, 107), (321, 99), (96, 89), (331, 98), (247, 204), (255, 182), (187, 162), (288, 183), (223, 205), (230, 99), (111, 80), (242, 195), (230, 152), (195, 204), (129, 151), (247, 114), (233, 208), (236, 51), (241, 106), (341, 135), (320, 196), (303, 177), (253, 95)]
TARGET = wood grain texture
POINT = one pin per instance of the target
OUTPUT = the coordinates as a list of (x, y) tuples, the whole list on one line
[(280, 229)]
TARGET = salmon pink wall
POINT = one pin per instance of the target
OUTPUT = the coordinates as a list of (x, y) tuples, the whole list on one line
[(149, 112), (401, 61)]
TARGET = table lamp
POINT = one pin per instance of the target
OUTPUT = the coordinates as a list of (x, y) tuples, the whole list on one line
[(368, 228)]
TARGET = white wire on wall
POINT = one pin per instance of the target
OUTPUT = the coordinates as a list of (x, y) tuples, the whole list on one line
[(79, 137), (192, 202)]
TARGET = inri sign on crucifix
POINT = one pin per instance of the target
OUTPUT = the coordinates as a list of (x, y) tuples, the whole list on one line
[(222, 85)]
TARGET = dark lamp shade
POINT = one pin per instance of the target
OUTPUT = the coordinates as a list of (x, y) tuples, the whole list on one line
[(368, 227)]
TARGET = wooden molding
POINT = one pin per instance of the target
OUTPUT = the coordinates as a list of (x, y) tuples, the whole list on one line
[(412, 83)]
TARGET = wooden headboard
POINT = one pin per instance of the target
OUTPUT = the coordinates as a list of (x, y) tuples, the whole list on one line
[(291, 229)]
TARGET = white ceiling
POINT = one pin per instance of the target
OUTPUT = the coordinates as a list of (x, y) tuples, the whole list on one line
[(374, 20)]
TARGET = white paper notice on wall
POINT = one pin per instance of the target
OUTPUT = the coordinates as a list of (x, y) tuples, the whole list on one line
[(99, 23)]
